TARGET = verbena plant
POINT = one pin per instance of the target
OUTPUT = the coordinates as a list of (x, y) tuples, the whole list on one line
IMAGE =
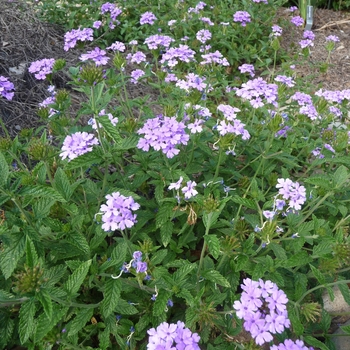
[(220, 208)]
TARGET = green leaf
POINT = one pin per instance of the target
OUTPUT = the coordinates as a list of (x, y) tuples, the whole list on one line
[(26, 320), (166, 231), (79, 241), (45, 300), (42, 207), (125, 308), (298, 259), (129, 143), (213, 245), (76, 279), (109, 129), (42, 191), (85, 161), (79, 321), (164, 213), (160, 303), (344, 289), (159, 256), (6, 330), (183, 271), (104, 339), (300, 283), (248, 203), (11, 255), (54, 274), (62, 184), (315, 342), (4, 170), (318, 274), (346, 329), (298, 327), (340, 177), (111, 295), (31, 255), (216, 277), (322, 181)]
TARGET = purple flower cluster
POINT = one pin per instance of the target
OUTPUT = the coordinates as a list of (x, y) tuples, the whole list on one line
[(207, 20), (71, 38), (117, 46), (113, 120), (137, 57), (242, 17), (257, 89), (193, 81), (77, 144), (276, 31), (147, 18), (291, 345), (97, 55), (112, 9), (337, 96), (262, 306), (247, 68), (155, 41), (215, 57), (292, 191), (175, 54), (118, 212), (285, 80), (297, 21), (173, 336), (203, 35), (188, 191), (136, 75), (42, 68), (332, 38), (163, 133), (5, 88), (306, 106), (200, 6)]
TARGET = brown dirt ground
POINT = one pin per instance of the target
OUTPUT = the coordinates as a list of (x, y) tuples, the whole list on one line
[(24, 39)]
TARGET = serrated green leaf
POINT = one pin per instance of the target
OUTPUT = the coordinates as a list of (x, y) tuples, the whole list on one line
[(26, 320), (300, 283), (321, 249), (125, 308), (344, 289), (160, 303), (62, 184), (54, 274), (315, 342), (129, 143), (6, 329), (45, 300), (11, 255), (79, 321), (85, 161), (111, 295), (185, 293), (31, 254), (159, 256), (164, 213), (109, 129), (322, 181), (279, 252), (213, 245), (104, 339), (4, 170), (42, 206), (297, 326), (216, 277), (76, 279), (326, 321), (318, 274), (298, 259), (78, 240), (41, 191), (166, 231), (340, 176), (183, 271), (248, 203), (346, 329)]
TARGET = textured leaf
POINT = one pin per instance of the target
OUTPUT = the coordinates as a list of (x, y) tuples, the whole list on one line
[(78, 240), (54, 274), (109, 129), (6, 329), (213, 245), (62, 184), (125, 308), (4, 170), (79, 321), (42, 191), (322, 181), (45, 300), (129, 143), (346, 329), (318, 274), (216, 277), (340, 176), (183, 271), (159, 256), (315, 342), (248, 203), (42, 206), (344, 289), (166, 231), (11, 255), (76, 279), (26, 320), (31, 254), (84, 161), (104, 339), (298, 328), (160, 303), (111, 295), (164, 213)]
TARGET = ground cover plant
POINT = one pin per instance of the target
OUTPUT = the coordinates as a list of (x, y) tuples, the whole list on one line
[(212, 217)]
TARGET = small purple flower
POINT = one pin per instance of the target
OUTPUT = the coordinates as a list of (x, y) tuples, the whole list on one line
[(147, 18), (71, 38), (136, 75), (141, 267), (297, 21), (289, 344), (176, 185), (332, 38), (77, 144), (276, 31), (247, 68), (5, 88), (203, 35), (242, 17), (137, 255), (292, 191), (308, 34), (189, 191), (306, 43), (285, 80), (117, 46), (97, 55), (293, 8), (269, 214), (97, 24), (42, 68), (156, 41)]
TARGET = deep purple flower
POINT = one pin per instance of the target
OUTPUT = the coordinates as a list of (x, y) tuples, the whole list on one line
[(117, 212), (71, 38), (42, 68), (5, 88), (141, 267), (77, 144), (147, 18), (242, 17), (97, 55)]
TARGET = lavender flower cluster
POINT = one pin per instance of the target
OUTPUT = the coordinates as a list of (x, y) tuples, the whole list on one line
[(5, 88), (291, 345), (97, 55), (173, 336), (163, 133), (188, 191), (77, 144), (113, 120), (118, 212), (71, 38), (262, 306), (292, 191), (242, 17), (42, 68)]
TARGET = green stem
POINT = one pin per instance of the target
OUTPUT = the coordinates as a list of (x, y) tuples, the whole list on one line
[(218, 164), (2, 124)]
